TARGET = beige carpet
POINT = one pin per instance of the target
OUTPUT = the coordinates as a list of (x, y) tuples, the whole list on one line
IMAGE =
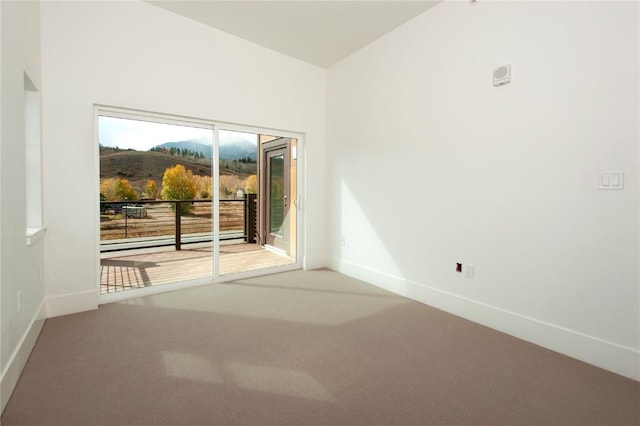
[(302, 348)]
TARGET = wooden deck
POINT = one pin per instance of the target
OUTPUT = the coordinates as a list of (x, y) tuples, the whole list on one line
[(143, 268)]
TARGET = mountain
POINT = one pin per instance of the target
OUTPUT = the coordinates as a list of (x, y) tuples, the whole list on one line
[(232, 147), (194, 145), (238, 149)]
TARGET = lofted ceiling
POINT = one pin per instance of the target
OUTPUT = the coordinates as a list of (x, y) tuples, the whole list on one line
[(318, 32)]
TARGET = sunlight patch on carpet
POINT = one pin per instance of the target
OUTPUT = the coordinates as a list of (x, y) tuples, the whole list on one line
[(278, 381), (191, 367)]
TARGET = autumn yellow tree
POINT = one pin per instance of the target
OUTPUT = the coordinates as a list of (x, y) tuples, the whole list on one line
[(117, 189), (151, 190), (229, 185), (251, 185), (178, 184), (203, 186)]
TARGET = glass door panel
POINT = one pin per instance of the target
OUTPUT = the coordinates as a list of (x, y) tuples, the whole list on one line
[(255, 174), (155, 201), (276, 195), (277, 188)]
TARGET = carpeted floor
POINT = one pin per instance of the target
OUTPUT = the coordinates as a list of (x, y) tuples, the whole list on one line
[(302, 348)]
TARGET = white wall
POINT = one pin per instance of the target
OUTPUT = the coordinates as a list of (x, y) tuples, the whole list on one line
[(431, 165), (135, 55), (19, 264)]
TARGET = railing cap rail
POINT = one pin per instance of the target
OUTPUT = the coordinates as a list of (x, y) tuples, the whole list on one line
[(238, 200)]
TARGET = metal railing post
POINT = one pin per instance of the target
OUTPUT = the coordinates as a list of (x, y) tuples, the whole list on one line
[(178, 226), (246, 217), (124, 210), (250, 218)]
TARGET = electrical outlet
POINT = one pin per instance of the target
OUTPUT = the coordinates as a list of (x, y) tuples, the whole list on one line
[(465, 268), (19, 301), (468, 270)]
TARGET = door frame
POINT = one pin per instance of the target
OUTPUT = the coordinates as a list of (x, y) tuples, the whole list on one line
[(130, 113), (265, 203)]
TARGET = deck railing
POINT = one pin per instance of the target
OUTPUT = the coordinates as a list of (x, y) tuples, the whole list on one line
[(127, 225)]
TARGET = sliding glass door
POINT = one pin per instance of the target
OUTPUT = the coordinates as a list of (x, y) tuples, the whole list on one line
[(184, 201)]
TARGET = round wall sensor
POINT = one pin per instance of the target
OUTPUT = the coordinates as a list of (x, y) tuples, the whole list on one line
[(502, 75)]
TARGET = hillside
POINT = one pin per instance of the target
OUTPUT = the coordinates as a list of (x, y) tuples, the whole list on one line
[(191, 145), (233, 148), (140, 166)]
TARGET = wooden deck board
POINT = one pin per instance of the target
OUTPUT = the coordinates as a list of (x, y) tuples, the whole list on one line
[(125, 271)]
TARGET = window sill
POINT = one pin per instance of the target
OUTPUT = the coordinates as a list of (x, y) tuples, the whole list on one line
[(34, 235)]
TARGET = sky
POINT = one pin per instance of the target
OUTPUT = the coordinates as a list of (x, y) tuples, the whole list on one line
[(144, 135)]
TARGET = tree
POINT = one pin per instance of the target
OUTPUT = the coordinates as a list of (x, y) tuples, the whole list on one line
[(251, 185), (178, 184), (229, 185), (117, 189), (151, 190), (203, 187)]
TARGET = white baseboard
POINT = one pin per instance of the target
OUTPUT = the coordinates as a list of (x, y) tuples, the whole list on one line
[(607, 355), (20, 355), (313, 262), (66, 304)]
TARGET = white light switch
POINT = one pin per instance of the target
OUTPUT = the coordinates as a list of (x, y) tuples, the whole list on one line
[(611, 180), (615, 180)]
